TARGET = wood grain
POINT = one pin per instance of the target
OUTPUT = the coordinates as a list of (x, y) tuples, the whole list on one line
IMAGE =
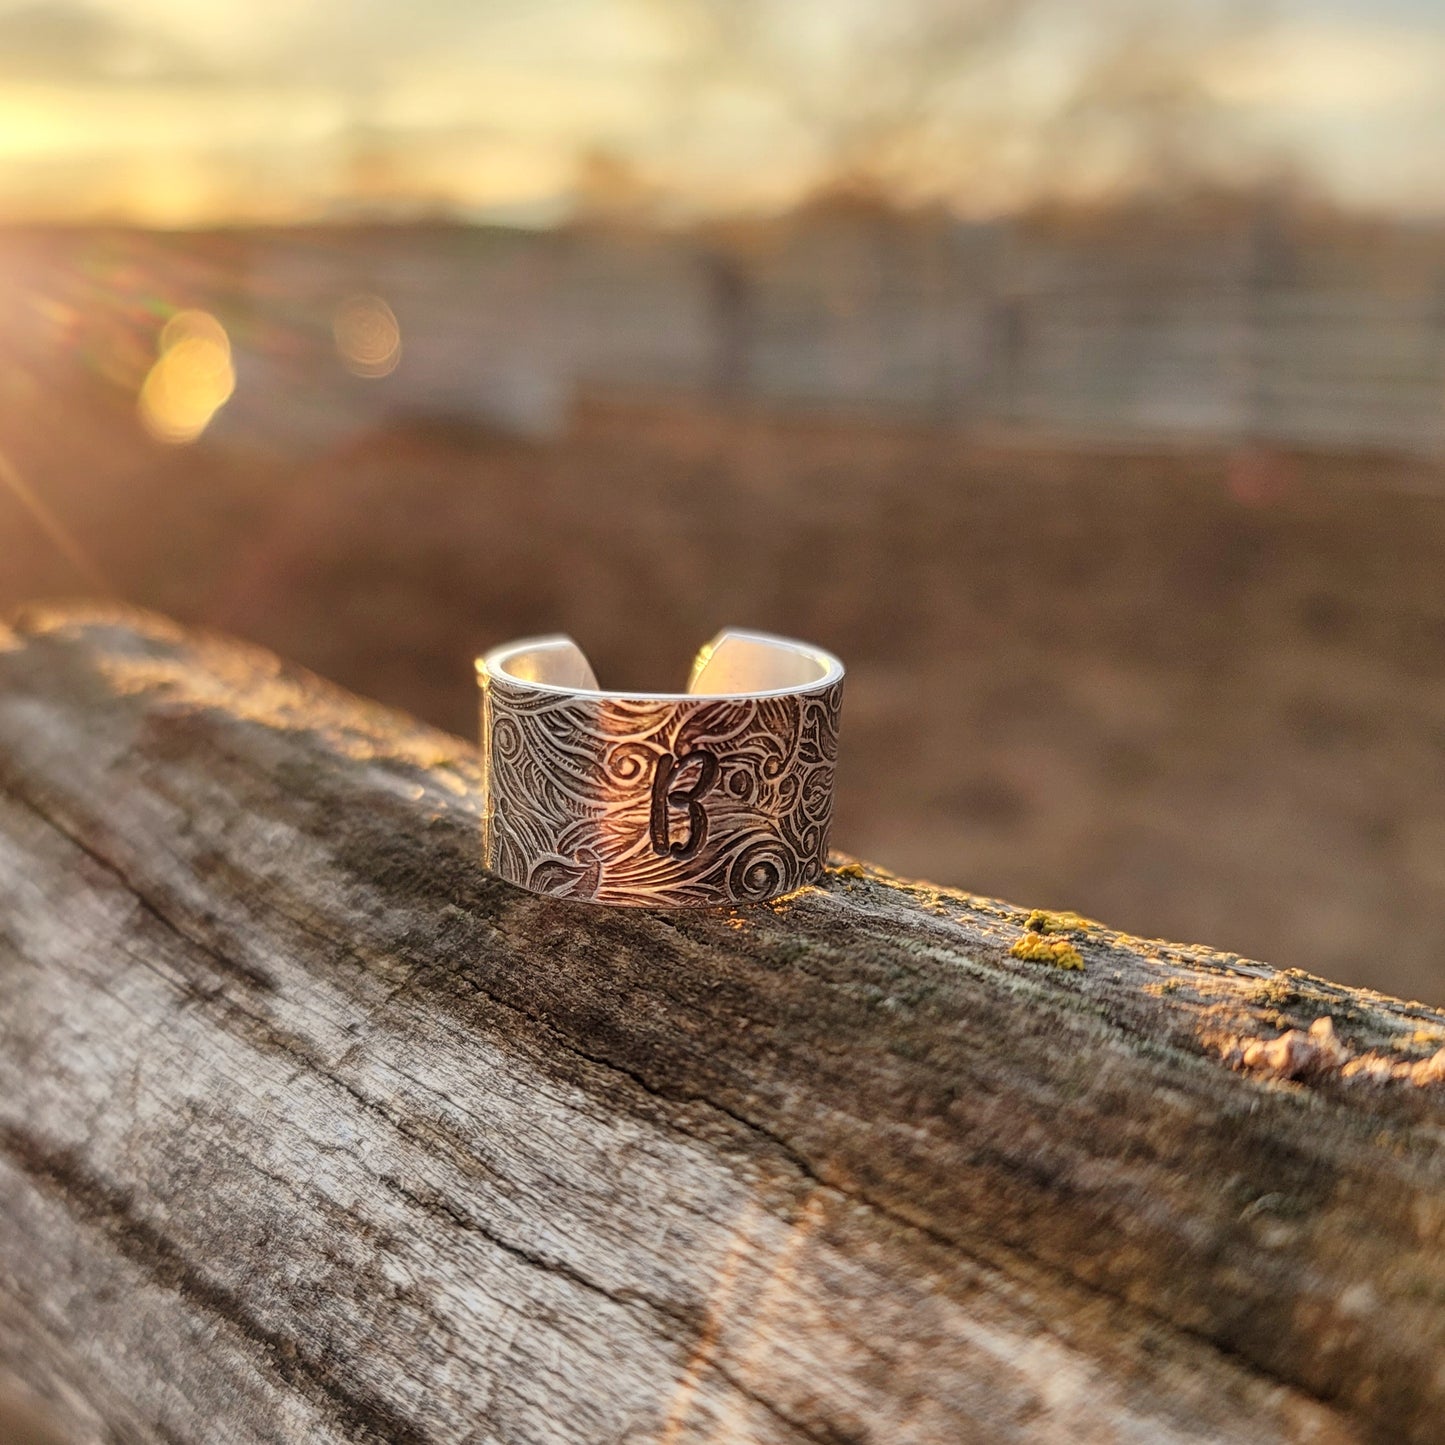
[(311, 1130)]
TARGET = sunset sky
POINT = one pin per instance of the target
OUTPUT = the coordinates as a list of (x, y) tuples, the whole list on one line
[(183, 114)]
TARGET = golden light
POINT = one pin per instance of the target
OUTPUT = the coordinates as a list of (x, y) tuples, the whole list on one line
[(368, 339), (191, 380)]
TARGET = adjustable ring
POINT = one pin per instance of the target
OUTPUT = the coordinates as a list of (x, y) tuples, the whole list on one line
[(720, 794)]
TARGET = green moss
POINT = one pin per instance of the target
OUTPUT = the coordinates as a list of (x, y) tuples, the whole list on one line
[(1271, 993), (788, 950), (1283, 992), (1058, 952)]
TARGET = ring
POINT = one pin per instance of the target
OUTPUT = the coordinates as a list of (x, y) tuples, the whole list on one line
[(720, 794)]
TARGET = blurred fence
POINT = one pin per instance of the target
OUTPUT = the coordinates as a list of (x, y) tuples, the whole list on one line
[(1250, 332)]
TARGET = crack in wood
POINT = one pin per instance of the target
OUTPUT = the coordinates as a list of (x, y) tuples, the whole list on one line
[(232, 968), (366, 1416)]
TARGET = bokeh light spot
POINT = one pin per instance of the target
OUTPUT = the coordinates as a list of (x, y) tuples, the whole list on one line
[(192, 378), (368, 339)]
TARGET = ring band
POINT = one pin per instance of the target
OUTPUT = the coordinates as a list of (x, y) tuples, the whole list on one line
[(720, 794)]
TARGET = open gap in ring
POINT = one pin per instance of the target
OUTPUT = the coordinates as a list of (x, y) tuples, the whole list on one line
[(734, 662)]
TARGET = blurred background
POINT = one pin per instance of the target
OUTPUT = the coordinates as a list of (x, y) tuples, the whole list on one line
[(1075, 368)]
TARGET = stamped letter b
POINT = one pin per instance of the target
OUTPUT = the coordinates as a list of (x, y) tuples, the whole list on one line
[(667, 799)]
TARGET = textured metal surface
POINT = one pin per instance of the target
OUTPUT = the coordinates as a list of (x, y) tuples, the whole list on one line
[(668, 801)]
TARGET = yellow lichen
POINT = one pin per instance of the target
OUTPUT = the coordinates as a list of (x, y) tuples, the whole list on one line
[(1043, 920), (1035, 948), (848, 870)]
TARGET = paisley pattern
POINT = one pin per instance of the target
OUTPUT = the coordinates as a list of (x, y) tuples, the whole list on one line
[(575, 806)]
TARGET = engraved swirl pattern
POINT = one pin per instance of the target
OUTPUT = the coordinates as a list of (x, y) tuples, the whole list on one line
[(571, 784)]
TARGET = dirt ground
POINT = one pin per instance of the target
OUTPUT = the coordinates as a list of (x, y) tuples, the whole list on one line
[(1196, 694)]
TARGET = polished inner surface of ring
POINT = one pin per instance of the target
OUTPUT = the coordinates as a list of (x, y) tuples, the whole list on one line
[(719, 794)]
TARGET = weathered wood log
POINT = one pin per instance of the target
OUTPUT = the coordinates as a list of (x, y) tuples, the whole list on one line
[(311, 1130)]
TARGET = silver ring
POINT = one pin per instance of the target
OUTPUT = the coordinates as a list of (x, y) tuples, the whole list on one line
[(720, 794)]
